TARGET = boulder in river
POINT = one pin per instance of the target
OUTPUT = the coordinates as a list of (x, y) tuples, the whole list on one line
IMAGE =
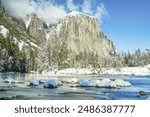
[(143, 93), (10, 80), (34, 83), (51, 83)]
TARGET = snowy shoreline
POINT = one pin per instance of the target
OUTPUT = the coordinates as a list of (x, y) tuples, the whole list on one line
[(126, 71)]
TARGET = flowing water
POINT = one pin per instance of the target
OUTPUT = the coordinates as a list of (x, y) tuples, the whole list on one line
[(23, 91)]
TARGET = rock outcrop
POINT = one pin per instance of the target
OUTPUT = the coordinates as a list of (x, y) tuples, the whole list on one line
[(37, 28), (82, 34)]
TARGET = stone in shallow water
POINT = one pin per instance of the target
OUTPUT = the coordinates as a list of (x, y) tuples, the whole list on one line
[(107, 84), (122, 83), (42, 81), (143, 93), (84, 83), (10, 80), (51, 83), (3, 90), (113, 84), (34, 83), (87, 83)]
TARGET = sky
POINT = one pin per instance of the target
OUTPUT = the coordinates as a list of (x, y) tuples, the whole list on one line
[(125, 22)]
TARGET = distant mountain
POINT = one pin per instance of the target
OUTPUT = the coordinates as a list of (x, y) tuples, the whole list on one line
[(75, 41)]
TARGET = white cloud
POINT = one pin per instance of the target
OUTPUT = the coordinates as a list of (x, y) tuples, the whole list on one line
[(71, 6), (87, 7), (19, 8), (101, 11), (49, 11), (45, 10)]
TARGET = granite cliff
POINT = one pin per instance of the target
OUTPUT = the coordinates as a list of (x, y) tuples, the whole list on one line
[(75, 41)]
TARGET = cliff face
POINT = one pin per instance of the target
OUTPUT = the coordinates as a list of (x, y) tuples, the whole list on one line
[(36, 28), (75, 41), (18, 49), (82, 34)]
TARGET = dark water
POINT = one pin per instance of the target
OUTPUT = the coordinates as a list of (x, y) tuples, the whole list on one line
[(65, 92)]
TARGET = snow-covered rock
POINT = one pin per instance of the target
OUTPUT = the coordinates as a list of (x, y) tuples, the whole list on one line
[(10, 80), (4, 31), (94, 82), (84, 83), (34, 83), (87, 83), (51, 83), (74, 80), (106, 83), (113, 84), (42, 81), (122, 83)]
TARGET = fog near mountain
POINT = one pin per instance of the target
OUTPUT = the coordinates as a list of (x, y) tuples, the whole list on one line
[(47, 10)]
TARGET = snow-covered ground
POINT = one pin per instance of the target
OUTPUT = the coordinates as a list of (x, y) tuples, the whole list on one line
[(137, 71), (4, 31)]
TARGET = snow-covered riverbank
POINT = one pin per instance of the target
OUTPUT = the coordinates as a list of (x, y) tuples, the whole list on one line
[(137, 71)]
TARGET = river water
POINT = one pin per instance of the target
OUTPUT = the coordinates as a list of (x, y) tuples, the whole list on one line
[(66, 92)]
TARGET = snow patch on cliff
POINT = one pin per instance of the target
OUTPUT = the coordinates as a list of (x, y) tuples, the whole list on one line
[(4, 31)]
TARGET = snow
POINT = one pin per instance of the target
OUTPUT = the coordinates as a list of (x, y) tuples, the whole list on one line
[(27, 21), (122, 83), (77, 71), (21, 43), (34, 83), (138, 71), (10, 80), (107, 83), (84, 83), (58, 28), (15, 40), (76, 13), (34, 45), (52, 83), (47, 36), (4, 31)]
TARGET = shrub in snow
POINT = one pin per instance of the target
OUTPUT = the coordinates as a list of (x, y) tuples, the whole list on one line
[(52, 83), (10, 80), (122, 83), (34, 83)]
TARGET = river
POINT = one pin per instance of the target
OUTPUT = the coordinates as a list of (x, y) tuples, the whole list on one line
[(22, 91)]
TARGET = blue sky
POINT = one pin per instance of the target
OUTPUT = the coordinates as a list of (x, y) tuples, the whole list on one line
[(129, 23), (125, 22)]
